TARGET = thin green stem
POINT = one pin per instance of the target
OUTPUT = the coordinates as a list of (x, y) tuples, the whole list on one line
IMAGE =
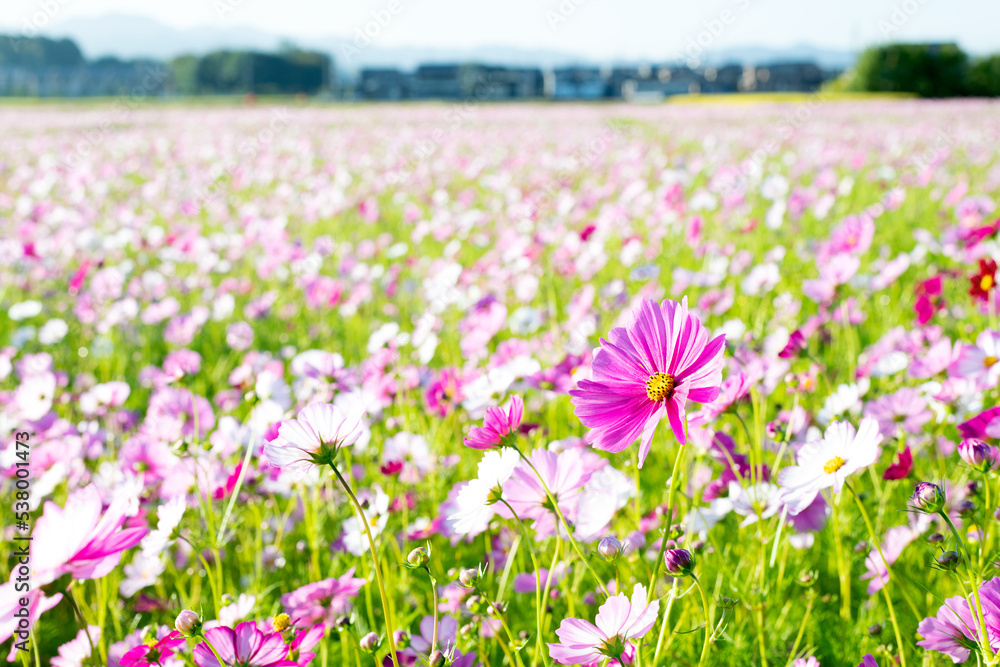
[(976, 581), (539, 609), (510, 635), (376, 565), (434, 601), (885, 589), (212, 649), (562, 519), (708, 620), (802, 628), (669, 515)]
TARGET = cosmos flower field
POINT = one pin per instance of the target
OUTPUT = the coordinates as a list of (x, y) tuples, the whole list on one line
[(525, 385)]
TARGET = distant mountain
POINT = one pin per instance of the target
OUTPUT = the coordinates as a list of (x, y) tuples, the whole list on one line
[(127, 36)]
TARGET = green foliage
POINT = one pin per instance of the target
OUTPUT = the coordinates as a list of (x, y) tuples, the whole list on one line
[(984, 77), (928, 70), (227, 72), (39, 52)]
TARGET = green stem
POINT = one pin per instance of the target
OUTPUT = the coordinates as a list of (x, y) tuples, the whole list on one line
[(669, 515), (212, 649), (885, 589), (510, 635), (842, 573), (984, 638), (375, 563), (562, 519), (802, 628), (708, 620), (434, 600), (539, 609)]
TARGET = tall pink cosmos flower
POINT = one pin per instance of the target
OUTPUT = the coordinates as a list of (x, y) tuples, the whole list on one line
[(245, 646), (954, 630), (498, 426), (78, 540), (313, 437), (645, 371), (618, 620)]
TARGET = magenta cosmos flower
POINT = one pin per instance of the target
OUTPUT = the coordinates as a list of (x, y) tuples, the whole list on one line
[(245, 646), (498, 426), (645, 371), (149, 655)]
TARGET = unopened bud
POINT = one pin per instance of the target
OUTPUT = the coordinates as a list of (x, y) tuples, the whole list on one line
[(927, 498), (370, 642), (188, 623), (678, 562), (875, 629), (948, 560), (437, 658), (610, 548), (469, 577), (418, 557), (935, 538), (966, 507)]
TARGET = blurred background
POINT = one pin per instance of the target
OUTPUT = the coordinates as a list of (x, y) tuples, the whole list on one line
[(391, 50)]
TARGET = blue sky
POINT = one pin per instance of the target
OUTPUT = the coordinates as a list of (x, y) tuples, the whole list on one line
[(653, 29)]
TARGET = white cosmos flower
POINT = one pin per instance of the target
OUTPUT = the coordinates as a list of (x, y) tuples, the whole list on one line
[(746, 501), (828, 462), (474, 508)]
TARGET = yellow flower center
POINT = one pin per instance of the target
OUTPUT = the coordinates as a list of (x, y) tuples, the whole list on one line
[(834, 464), (660, 387), (281, 623), (989, 361), (986, 282)]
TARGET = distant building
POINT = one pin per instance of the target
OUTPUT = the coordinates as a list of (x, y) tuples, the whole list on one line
[(383, 84), (782, 77), (578, 83), (725, 79)]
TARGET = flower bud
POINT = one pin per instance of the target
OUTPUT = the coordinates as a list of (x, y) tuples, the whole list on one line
[(927, 498), (370, 642), (948, 560), (678, 562), (437, 658), (875, 629), (469, 577), (401, 638), (188, 623), (281, 622), (807, 577), (977, 453), (966, 507), (610, 548), (726, 603), (419, 557), (935, 538)]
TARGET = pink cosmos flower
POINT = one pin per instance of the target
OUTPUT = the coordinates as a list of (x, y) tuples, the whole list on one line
[(955, 630), (10, 602), (245, 646), (647, 370), (498, 426), (313, 437), (905, 410), (300, 648), (565, 475), (151, 655), (984, 425), (80, 541), (618, 620), (323, 600)]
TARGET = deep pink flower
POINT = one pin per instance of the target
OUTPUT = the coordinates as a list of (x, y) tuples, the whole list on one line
[(796, 343), (902, 467), (245, 646), (647, 370), (300, 648), (984, 425), (498, 426), (151, 655), (323, 600)]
